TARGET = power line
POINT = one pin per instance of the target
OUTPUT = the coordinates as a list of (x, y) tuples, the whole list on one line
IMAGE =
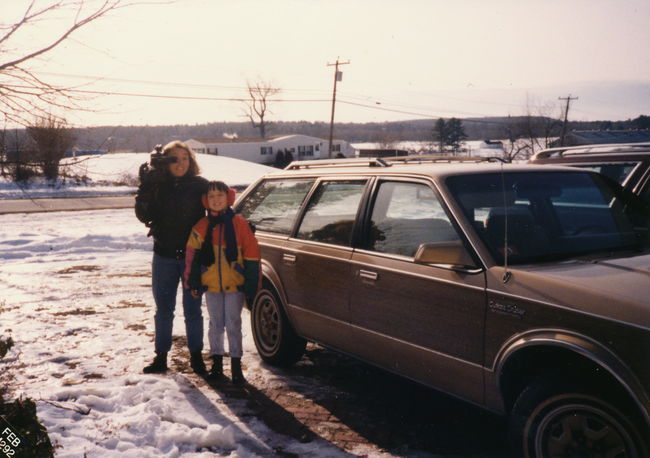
[(161, 96), (238, 99)]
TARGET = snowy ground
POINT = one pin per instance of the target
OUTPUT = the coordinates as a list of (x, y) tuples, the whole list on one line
[(75, 296), (76, 300)]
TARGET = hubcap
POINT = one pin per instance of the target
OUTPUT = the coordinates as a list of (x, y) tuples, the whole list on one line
[(267, 324), (582, 431)]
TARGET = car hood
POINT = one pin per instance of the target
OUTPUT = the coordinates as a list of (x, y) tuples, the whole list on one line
[(616, 288)]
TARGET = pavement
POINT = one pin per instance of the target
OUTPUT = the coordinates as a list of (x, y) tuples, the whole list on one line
[(56, 204)]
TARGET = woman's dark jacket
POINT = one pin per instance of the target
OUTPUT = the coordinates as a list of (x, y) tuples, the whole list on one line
[(170, 208)]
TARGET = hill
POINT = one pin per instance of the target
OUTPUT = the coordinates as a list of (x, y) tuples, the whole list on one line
[(144, 138)]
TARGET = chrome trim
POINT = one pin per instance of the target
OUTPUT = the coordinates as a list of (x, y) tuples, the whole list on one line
[(552, 336), (289, 258), (413, 274), (367, 274)]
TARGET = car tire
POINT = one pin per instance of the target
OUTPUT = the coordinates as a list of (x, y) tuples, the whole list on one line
[(554, 418), (275, 340)]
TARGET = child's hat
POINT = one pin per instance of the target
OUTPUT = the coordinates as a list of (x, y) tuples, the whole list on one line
[(220, 186)]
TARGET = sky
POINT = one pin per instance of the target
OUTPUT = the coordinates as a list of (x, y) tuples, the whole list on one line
[(184, 62)]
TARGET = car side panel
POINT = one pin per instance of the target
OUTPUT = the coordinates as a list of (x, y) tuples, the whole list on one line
[(422, 321), (315, 276)]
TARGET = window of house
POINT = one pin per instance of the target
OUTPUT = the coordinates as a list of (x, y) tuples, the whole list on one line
[(307, 150), (331, 212), (273, 205), (404, 216)]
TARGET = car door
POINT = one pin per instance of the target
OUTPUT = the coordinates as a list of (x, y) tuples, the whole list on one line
[(315, 267), (422, 321)]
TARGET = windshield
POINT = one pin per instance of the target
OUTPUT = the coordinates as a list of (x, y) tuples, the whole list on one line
[(539, 216)]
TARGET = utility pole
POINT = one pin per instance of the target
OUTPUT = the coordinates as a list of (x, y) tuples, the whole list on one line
[(566, 116), (338, 76)]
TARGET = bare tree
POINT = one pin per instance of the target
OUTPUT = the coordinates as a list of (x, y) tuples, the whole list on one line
[(24, 94), (52, 138), (257, 107), (528, 134), (387, 140)]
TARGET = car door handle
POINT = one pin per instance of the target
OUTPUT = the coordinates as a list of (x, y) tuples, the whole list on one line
[(289, 258), (368, 275)]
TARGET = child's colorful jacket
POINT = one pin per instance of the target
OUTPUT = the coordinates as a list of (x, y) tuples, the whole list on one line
[(242, 274)]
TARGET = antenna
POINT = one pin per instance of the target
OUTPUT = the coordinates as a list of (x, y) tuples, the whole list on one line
[(506, 274)]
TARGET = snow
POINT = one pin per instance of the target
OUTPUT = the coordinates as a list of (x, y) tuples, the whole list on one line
[(117, 174), (76, 300)]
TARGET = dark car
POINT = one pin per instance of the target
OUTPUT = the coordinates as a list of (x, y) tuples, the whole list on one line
[(523, 289), (626, 163)]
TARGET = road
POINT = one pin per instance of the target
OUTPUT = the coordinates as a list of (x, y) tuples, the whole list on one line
[(64, 204)]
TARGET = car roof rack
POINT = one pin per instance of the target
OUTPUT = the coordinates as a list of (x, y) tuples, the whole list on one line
[(322, 163), (385, 161), (596, 148), (439, 159)]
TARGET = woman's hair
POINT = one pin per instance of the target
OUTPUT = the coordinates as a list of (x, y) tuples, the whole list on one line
[(194, 169)]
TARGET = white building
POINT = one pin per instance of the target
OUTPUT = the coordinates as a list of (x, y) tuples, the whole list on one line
[(264, 150)]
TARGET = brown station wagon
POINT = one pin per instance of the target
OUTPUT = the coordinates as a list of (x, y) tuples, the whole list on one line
[(523, 289)]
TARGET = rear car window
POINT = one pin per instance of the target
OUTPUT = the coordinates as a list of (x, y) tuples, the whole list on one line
[(616, 171), (331, 212), (273, 205)]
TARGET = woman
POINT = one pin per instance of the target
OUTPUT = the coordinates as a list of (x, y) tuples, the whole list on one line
[(169, 203)]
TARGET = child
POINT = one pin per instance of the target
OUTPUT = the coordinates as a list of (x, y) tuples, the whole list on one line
[(223, 258)]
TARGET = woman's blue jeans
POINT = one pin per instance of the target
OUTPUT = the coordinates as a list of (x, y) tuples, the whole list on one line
[(166, 274)]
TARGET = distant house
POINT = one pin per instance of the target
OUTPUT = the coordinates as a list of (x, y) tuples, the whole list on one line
[(265, 150), (590, 137)]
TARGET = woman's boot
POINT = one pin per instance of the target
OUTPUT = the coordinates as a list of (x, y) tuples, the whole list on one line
[(197, 364), (159, 364), (235, 367), (217, 368)]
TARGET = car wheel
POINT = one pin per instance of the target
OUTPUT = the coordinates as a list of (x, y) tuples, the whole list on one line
[(276, 341), (554, 419)]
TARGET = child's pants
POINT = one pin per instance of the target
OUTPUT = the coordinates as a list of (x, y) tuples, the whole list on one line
[(224, 310)]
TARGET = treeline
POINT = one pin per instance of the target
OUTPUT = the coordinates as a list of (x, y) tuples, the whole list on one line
[(144, 138)]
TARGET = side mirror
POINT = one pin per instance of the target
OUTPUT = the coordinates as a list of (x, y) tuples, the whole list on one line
[(452, 253)]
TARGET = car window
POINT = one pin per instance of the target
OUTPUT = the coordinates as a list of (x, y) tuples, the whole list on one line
[(541, 216), (404, 216), (273, 205), (331, 212), (617, 172)]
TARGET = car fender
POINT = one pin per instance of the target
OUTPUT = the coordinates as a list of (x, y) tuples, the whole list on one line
[(269, 274), (581, 345)]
